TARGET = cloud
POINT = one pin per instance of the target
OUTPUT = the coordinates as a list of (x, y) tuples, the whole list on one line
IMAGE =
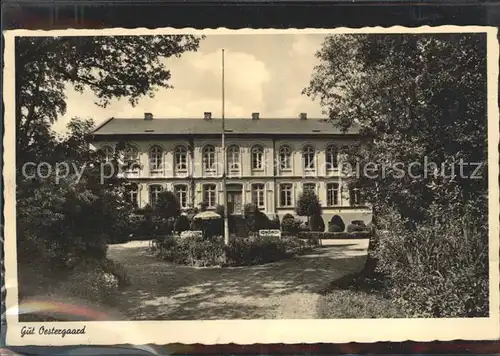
[(266, 79)]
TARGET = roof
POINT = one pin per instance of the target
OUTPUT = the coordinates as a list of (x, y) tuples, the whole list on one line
[(263, 126)]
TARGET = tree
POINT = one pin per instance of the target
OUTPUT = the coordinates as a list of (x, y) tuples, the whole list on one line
[(411, 96), (308, 204), (110, 66), (168, 205)]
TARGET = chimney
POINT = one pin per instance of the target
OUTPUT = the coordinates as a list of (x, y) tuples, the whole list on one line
[(148, 116), (207, 115), (255, 116), (303, 116)]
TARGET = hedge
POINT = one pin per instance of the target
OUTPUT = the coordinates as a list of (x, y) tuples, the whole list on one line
[(314, 235)]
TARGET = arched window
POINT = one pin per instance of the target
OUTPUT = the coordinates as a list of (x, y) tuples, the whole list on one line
[(132, 195), (209, 195), (180, 159), (108, 153), (285, 161), (155, 159), (131, 158), (286, 195), (258, 195), (209, 159), (331, 159), (332, 194), (233, 158), (308, 157), (154, 193), (181, 190), (257, 157)]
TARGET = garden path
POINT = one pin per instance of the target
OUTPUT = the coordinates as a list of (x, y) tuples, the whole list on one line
[(282, 290)]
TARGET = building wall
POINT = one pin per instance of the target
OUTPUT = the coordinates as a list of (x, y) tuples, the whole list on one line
[(271, 175)]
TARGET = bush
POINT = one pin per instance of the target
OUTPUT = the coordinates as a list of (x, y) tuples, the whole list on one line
[(335, 228), (92, 284), (182, 223), (316, 223), (255, 250), (438, 269), (290, 225), (316, 235), (356, 227), (193, 251), (337, 220)]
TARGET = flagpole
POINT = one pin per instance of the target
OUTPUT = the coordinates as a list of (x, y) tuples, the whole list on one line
[(224, 187)]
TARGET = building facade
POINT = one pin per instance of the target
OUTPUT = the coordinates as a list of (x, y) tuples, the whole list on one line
[(268, 162)]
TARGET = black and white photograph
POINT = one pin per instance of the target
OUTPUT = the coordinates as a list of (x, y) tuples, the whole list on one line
[(276, 185)]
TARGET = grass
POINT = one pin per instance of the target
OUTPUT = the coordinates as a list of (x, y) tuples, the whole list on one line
[(357, 297)]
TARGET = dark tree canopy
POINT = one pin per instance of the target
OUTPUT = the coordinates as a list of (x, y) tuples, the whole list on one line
[(111, 66), (413, 96)]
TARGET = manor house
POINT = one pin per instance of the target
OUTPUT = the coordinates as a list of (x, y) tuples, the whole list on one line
[(269, 162)]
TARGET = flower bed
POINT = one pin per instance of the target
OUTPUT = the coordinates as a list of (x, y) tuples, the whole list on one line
[(315, 236), (199, 251)]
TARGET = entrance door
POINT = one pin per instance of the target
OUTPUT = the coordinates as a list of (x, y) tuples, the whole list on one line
[(234, 199)]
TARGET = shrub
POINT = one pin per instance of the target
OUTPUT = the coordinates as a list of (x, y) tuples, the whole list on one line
[(308, 204), (316, 235), (334, 228), (316, 223), (219, 209), (356, 227), (296, 246), (291, 225), (438, 269), (193, 251), (92, 284), (255, 250), (182, 223), (337, 220)]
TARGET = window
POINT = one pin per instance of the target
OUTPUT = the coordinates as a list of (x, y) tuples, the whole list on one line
[(355, 196), (209, 159), (258, 195), (131, 159), (180, 159), (233, 158), (285, 154), (257, 157), (331, 158), (286, 195), (209, 195), (332, 194), (154, 192), (132, 195), (308, 156), (181, 191), (309, 187), (155, 159), (108, 153)]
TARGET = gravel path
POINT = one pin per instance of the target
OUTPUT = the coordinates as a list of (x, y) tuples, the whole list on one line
[(282, 290)]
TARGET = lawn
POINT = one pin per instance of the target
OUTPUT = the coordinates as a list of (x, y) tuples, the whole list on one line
[(352, 304)]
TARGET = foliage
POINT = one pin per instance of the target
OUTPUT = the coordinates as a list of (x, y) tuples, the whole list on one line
[(290, 225), (219, 209), (255, 250), (308, 204), (337, 220), (196, 251), (255, 219), (168, 205), (417, 99), (193, 251), (316, 223), (110, 66), (438, 270), (356, 227), (334, 228), (316, 235), (182, 223)]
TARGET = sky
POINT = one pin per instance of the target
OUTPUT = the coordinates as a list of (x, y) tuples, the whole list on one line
[(264, 73)]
